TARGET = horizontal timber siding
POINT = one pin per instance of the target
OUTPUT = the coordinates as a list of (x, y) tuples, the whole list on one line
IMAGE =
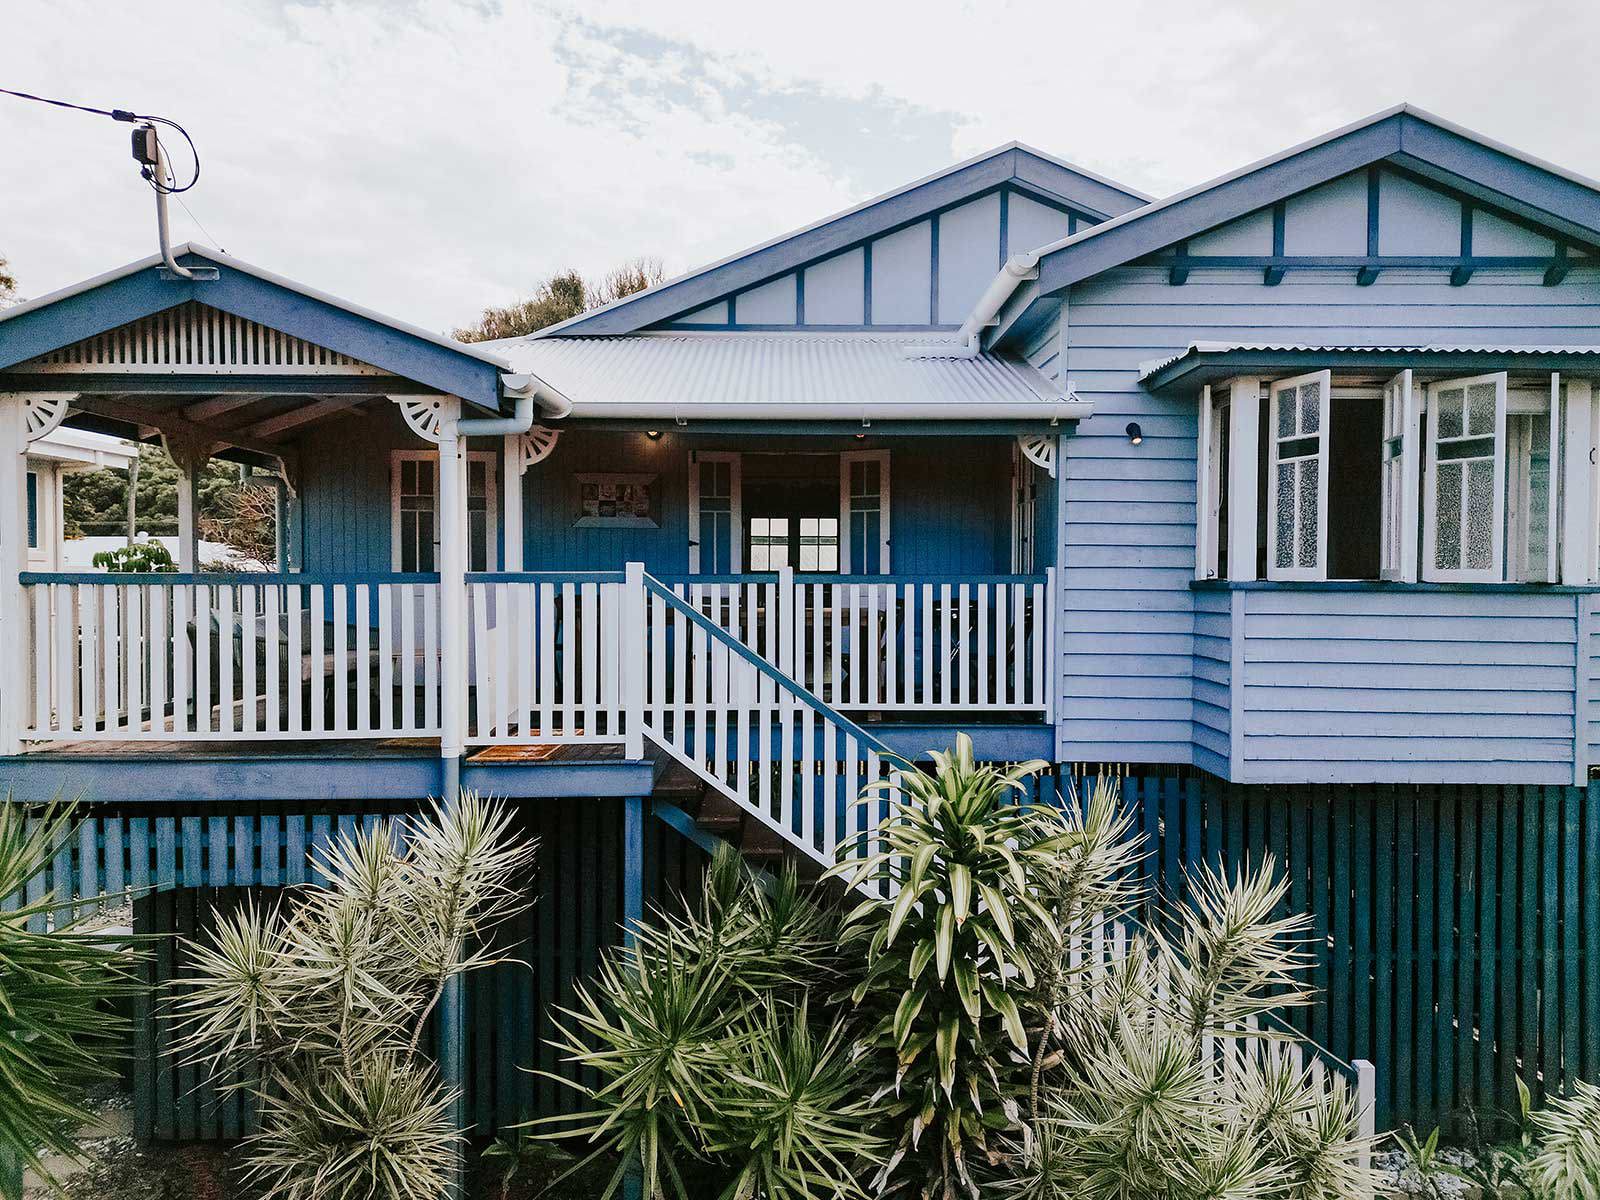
[(1213, 675), (1359, 687), (1127, 522)]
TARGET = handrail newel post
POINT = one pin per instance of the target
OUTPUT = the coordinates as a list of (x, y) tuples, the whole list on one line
[(633, 659)]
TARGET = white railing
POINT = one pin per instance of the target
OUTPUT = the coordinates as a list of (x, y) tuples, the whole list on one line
[(222, 657), (742, 725), (544, 659), (971, 644)]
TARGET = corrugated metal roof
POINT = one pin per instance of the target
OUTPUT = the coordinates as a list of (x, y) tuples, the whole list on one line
[(1197, 349), (792, 375)]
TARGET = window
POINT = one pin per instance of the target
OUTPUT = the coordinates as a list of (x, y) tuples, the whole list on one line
[(33, 510), (715, 479), (1446, 479), (864, 504), (1298, 478), (791, 511), (414, 511)]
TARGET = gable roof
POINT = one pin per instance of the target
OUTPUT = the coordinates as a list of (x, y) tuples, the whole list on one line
[(126, 294), (1419, 141), (1015, 164)]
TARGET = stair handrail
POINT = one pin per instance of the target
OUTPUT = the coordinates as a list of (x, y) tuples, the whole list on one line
[(788, 684)]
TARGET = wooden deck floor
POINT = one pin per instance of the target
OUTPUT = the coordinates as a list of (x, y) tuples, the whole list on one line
[(349, 748)]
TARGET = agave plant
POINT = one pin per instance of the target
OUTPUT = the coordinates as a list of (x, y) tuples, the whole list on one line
[(717, 1052), (947, 955), (320, 1003), (56, 1035)]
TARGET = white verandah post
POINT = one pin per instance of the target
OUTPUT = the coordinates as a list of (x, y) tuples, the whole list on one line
[(13, 561), (511, 502)]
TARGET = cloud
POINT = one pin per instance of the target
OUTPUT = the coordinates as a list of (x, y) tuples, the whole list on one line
[(430, 157)]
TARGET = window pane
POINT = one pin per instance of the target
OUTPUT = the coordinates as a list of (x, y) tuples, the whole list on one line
[(1447, 543), (1480, 405), (1450, 401), (1467, 448), (1309, 479), (1286, 413), (1311, 407), (1285, 544), (1480, 515)]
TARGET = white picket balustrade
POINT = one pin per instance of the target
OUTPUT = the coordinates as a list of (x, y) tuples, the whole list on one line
[(198, 658), (544, 659), (724, 708), (874, 643)]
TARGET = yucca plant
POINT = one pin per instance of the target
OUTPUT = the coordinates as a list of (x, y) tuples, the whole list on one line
[(56, 1035), (319, 1004), (947, 954), (719, 1055)]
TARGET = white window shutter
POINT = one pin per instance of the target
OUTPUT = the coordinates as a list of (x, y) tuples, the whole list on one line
[(1297, 479), (1402, 460), (1464, 497)]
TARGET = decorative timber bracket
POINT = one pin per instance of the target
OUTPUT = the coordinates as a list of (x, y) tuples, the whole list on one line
[(535, 446), (43, 413), (427, 414)]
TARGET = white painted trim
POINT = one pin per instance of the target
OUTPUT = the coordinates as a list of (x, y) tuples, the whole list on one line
[(735, 506), (1578, 526), (511, 498), (1244, 436), (1276, 389), (1400, 411), (489, 458), (1430, 528), (881, 457)]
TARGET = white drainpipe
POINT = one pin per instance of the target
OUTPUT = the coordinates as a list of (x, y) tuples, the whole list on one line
[(969, 338), (527, 391)]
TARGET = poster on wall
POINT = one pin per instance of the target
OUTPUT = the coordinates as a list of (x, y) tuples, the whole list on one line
[(615, 500)]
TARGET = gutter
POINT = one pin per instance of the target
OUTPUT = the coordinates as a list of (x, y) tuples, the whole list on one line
[(1058, 408), (968, 342), (528, 391)]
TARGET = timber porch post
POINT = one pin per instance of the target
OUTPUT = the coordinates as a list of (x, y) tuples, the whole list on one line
[(13, 561)]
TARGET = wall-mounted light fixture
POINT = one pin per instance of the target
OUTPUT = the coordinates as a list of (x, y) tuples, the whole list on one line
[(653, 434), (1135, 434)]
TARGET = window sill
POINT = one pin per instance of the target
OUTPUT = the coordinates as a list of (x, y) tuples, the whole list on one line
[(1383, 586)]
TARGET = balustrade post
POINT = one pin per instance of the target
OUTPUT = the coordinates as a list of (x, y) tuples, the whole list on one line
[(14, 691), (786, 623), (634, 658)]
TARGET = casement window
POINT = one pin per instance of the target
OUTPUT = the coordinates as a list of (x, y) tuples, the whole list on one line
[(1463, 535), (414, 511), (1297, 477), (1488, 478)]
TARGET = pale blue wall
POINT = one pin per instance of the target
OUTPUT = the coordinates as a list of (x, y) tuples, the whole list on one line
[(1127, 533), (927, 274)]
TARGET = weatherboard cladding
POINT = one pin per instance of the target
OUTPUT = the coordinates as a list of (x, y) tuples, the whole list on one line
[(1129, 680)]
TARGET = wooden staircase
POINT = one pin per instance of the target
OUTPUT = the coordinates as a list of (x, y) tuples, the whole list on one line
[(718, 818)]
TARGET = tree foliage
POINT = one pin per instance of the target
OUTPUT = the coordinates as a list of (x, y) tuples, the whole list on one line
[(241, 515), (561, 297), (320, 1004), (992, 1053), (56, 1033), (8, 282)]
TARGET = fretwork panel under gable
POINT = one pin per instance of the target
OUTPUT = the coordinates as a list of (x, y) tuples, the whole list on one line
[(197, 339), (924, 275)]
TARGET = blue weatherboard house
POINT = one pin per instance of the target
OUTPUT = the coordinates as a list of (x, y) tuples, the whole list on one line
[(1277, 498)]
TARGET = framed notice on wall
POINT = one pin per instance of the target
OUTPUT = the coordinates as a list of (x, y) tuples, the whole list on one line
[(615, 500)]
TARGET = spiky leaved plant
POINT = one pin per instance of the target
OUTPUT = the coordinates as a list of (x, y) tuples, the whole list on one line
[(55, 980), (718, 1055), (944, 943), (320, 1003), (1154, 1093), (1566, 1158)]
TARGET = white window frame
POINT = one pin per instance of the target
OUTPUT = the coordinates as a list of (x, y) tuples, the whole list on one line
[(735, 506), (490, 459), (846, 459), (1212, 421), (1275, 389), (1399, 479), (1495, 572)]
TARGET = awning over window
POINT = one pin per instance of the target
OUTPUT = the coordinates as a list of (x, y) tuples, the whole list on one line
[(785, 376), (1208, 362)]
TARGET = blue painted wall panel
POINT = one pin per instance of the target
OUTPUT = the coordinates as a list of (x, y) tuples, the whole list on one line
[(1127, 520)]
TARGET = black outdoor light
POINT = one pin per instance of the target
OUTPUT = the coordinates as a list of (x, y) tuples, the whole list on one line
[(1135, 434), (653, 434)]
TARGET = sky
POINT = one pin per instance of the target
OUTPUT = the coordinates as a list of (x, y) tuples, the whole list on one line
[(429, 157)]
